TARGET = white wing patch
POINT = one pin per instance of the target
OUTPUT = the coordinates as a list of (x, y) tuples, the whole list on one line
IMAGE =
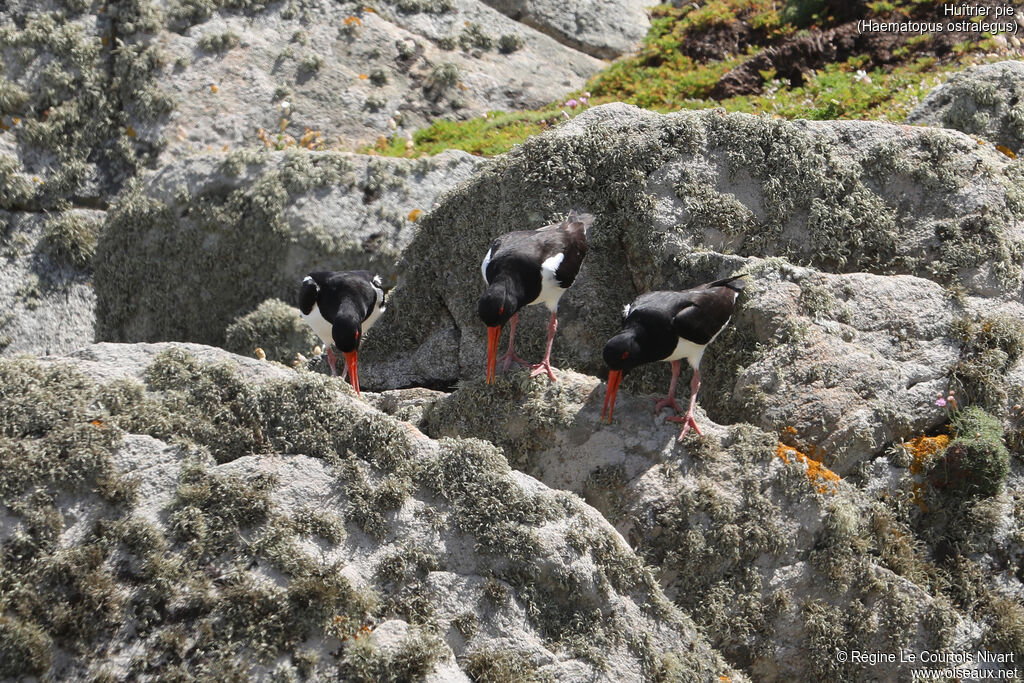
[(377, 282), (625, 310), (308, 280), (483, 266), (378, 306), (550, 290)]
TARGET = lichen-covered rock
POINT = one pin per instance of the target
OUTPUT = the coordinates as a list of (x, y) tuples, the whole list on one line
[(599, 28), (985, 100), (207, 239), (341, 72), (46, 301), (779, 560), (170, 508), (671, 194)]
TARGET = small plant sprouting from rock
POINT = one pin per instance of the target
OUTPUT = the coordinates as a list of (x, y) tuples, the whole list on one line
[(510, 42), (976, 462), (70, 237), (219, 42)]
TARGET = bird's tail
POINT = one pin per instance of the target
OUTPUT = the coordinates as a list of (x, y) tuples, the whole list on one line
[(733, 282)]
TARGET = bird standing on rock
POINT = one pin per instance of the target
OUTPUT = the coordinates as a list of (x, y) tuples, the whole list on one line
[(340, 306), (669, 326), (530, 267)]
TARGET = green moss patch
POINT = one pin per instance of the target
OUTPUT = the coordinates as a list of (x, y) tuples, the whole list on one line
[(989, 347), (273, 326), (976, 462)]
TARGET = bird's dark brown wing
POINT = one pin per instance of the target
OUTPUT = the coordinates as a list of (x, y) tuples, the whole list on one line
[(704, 313)]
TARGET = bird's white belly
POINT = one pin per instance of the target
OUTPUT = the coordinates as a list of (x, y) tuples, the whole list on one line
[(688, 350), (319, 324), (693, 352), (550, 290)]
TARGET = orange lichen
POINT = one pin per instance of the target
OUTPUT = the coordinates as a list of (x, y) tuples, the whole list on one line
[(130, 132), (353, 21), (922, 449), (311, 139), (822, 478), (1007, 151), (213, 88), (415, 214), (363, 77)]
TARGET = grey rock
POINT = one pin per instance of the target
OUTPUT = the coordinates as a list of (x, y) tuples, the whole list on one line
[(985, 100), (770, 552), (672, 193), (46, 303), (601, 29), (344, 73), (263, 219), (462, 562)]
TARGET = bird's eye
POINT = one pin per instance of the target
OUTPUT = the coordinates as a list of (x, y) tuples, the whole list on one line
[(625, 355)]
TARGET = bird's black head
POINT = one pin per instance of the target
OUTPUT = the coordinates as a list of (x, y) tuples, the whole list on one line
[(497, 305), (347, 331), (623, 352), (308, 291)]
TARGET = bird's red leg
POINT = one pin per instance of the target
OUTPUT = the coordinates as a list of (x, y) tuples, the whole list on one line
[(670, 400), (688, 420), (332, 360), (545, 365), (510, 356)]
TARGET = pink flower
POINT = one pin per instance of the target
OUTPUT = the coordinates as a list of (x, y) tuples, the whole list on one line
[(572, 104), (941, 402)]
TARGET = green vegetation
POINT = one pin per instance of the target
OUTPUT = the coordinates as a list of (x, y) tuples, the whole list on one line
[(988, 348), (976, 462), (70, 237), (667, 74), (219, 42), (493, 665)]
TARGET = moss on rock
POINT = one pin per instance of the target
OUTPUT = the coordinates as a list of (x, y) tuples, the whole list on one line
[(273, 326), (976, 462), (839, 196)]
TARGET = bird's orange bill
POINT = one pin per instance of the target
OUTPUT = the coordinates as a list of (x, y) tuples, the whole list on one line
[(614, 379), (493, 337), (351, 358)]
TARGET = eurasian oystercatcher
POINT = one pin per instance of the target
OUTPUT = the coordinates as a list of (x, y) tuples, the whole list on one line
[(668, 326), (530, 267), (340, 306)]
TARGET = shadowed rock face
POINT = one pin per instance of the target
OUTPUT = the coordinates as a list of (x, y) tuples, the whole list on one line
[(278, 524), (986, 100), (261, 221)]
